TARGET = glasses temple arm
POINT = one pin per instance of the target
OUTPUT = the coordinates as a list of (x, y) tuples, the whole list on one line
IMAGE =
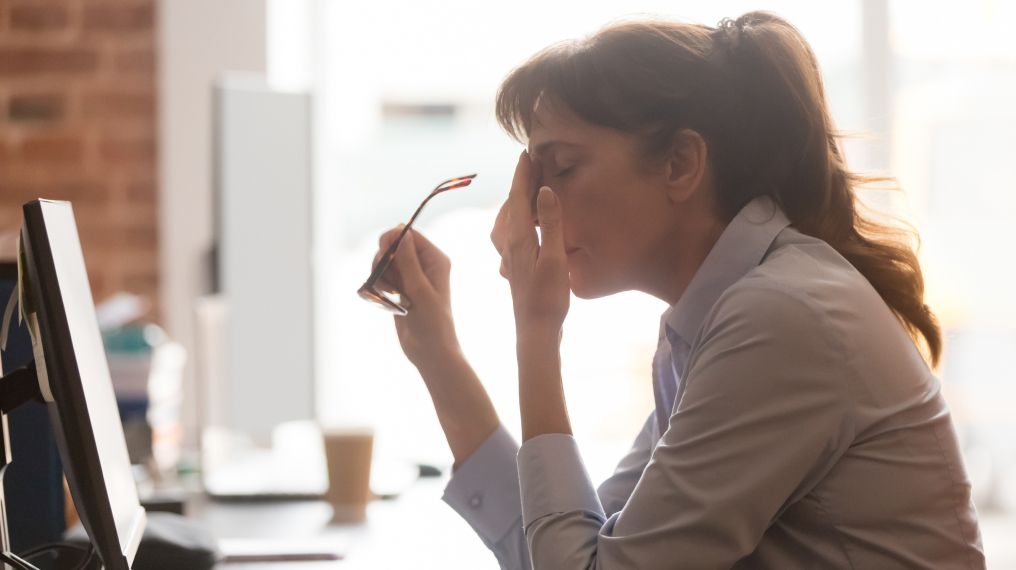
[(385, 259)]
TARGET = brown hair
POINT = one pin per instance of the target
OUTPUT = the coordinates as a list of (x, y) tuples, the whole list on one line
[(752, 89)]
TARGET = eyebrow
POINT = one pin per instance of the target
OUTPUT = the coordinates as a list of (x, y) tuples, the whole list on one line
[(543, 147)]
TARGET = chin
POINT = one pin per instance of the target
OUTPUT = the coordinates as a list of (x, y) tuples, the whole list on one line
[(585, 288)]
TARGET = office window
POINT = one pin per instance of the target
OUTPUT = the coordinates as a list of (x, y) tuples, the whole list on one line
[(397, 117), (952, 149)]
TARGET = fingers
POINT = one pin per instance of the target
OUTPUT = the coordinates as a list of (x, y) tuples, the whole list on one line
[(423, 245), (551, 236), (390, 280), (408, 261), (499, 234), (521, 233)]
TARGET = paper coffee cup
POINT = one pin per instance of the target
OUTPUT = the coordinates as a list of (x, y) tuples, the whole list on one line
[(348, 452)]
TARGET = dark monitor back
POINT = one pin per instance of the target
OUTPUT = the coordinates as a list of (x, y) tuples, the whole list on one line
[(34, 482), (75, 382)]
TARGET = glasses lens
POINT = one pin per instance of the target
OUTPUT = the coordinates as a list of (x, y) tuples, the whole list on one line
[(388, 302)]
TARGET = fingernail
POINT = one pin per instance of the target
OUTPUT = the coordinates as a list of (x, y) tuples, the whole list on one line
[(547, 196)]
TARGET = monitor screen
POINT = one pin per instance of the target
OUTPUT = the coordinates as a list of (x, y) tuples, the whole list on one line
[(75, 382)]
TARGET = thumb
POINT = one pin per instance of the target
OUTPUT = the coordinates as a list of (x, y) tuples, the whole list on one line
[(413, 279), (548, 211)]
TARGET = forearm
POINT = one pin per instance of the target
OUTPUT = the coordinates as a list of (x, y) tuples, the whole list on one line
[(541, 390), (463, 406)]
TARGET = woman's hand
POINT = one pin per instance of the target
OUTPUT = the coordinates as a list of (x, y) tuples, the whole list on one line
[(537, 272), (538, 275), (420, 274)]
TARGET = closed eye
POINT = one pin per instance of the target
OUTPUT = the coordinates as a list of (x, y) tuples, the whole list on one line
[(564, 172)]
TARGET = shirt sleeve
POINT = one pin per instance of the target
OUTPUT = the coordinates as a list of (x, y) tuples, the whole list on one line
[(484, 491), (761, 419), (616, 489)]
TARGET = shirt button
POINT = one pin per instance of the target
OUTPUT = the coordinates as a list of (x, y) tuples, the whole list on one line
[(475, 501)]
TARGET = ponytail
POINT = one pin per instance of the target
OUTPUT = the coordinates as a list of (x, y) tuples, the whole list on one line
[(795, 157)]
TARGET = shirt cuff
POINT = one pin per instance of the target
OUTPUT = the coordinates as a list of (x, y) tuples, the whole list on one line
[(484, 490), (553, 478)]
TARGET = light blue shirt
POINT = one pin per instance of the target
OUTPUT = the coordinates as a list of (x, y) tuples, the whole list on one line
[(806, 431)]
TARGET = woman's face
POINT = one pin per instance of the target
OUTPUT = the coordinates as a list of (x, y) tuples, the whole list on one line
[(616, 216)]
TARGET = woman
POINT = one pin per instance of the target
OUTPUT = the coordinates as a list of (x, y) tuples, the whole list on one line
[(797, 423)]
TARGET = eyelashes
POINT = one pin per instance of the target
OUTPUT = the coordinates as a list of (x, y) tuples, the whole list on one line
[(564, 172)]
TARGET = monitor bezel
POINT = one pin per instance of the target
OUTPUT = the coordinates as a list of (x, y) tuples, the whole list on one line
[(67, 405)]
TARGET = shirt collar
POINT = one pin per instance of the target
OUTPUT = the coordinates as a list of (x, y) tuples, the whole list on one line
[(741, 247)]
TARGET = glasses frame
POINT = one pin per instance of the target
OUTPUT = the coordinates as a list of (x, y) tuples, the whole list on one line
[(369, 290)]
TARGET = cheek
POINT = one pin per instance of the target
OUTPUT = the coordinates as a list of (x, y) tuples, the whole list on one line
[(591, 226), (593, 217), (608, 226)]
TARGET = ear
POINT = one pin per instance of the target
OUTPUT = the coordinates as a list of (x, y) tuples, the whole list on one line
[(686, 164)]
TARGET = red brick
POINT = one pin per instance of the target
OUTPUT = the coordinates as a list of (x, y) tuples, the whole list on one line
[(123, 258), (38, 17), (142, 190), (96, 279), (10, 219), (117, 225), (78, 105), (120, 240), (139, 61), (147, 237), (20, 61), (117, 103), (51, 148), (145, 283), (128, 150), (119, 17), (128, 216), (77, 190), (36, 107)]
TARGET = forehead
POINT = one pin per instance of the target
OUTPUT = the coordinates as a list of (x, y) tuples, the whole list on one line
[(552, 121), (555, 125)]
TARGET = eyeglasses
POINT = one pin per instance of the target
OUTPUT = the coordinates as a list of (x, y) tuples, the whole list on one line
[(369, 290)]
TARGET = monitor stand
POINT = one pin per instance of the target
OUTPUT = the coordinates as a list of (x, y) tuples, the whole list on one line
[(172, 541), (16, 388)]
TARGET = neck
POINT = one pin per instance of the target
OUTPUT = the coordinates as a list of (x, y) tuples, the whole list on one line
[(678, 258)]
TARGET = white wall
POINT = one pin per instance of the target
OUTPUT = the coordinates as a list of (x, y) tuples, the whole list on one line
[(198, 40)]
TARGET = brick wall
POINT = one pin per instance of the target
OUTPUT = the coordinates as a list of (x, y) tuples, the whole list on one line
[(77, 122)]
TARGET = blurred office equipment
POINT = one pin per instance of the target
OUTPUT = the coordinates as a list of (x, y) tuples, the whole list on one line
[(146, 368), (263, 269)]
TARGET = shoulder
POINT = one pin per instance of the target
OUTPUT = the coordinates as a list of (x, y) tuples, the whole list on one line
[(803, 288), (758, 308), (794, 310)]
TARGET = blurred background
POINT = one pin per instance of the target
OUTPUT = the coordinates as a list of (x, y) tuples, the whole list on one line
[(232, 164)]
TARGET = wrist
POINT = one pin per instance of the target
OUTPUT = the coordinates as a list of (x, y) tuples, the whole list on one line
[(434, 351), (538, 338), (442, 367)]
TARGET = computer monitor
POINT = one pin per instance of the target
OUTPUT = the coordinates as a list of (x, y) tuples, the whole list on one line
[(75, 383)]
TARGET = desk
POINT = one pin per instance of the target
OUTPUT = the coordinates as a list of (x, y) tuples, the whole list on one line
[(416, 530)]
